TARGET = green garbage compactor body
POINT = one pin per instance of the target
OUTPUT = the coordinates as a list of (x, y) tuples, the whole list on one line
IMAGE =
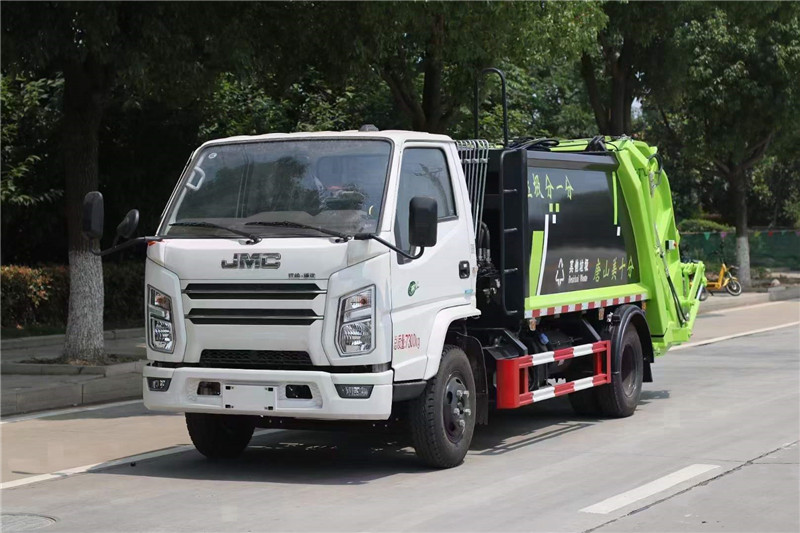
[(576, 230)]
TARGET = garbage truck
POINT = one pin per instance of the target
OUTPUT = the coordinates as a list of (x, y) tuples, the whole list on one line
[(314, 279)]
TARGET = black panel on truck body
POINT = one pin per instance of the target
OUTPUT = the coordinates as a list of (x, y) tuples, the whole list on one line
[(566, 202)]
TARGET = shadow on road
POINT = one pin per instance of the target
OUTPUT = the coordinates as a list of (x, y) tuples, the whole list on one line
[(358, 457)]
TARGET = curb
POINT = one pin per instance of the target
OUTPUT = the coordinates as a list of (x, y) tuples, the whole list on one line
[(52, 340), (712, 306), (127, 386), (72, 370), (783, 293)]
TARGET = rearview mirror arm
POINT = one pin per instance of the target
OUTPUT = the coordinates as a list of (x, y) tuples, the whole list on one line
[(365, 236), (123, 246)]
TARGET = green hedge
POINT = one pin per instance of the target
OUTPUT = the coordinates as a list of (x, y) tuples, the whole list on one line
[(40, 295), (701, 224)]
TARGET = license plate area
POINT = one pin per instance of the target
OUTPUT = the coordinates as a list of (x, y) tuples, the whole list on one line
[(249, 397)]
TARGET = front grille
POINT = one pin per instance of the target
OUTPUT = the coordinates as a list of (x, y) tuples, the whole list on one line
[(253, 291), (255, 359), (254, 317)]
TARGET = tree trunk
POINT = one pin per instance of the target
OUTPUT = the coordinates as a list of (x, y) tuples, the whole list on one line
[(432, 84), (84, 91), (600, 113), (617, 122), (738, 181)]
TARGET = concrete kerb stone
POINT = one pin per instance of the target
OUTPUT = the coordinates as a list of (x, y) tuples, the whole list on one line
[(113, 388), (66, 395), (112, 383), (52, 340), (783, 293), (72, 370)]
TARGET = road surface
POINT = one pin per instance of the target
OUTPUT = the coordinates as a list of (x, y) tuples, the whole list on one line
[(712, 447)]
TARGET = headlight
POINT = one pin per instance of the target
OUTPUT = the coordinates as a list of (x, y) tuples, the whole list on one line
[(159, 321), (356, 324)]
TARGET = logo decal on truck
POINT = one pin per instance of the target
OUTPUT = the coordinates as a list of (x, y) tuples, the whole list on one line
[(256, 260), (412, 288)]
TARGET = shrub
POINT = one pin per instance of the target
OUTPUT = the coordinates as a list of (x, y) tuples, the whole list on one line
[(697, 225), (40, 295)]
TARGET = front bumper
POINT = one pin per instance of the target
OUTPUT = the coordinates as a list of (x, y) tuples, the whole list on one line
[(324, 404)]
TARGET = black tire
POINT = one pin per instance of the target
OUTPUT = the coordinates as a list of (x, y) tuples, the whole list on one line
[(703, 294), (220, 436), (438, 437), (620, 397), (585, 402), (733, 287)]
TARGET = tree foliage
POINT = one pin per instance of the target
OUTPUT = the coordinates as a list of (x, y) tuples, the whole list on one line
[(116, 95), (427, 54), (740, 93)]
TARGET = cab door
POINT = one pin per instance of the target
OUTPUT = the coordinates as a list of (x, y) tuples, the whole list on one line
[(443, 277)]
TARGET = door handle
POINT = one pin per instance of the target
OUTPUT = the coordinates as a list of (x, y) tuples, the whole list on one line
[(463, 269)]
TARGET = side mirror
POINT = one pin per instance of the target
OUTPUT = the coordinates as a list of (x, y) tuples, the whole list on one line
[(423, 221), (93, 215), (129, 224)]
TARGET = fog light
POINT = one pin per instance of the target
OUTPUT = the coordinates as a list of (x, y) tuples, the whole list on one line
[(208, 388), (158, 384), (298, 392), (354, 391)]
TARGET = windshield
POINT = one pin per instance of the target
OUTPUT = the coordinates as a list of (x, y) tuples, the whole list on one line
[(333, 184)]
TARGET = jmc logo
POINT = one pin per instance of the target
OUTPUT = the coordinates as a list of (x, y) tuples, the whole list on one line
[(257, 260)]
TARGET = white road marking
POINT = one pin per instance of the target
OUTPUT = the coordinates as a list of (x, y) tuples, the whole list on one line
[(649, 489), (59, 412), (108, 464), (734, 336), (748, 307)]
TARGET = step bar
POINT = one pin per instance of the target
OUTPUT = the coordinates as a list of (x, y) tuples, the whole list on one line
[(512, 374)]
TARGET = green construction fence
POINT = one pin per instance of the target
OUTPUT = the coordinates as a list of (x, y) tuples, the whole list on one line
[(768, 248)]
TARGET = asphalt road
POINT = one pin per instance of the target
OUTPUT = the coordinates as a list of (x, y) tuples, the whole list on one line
[(712, 447)]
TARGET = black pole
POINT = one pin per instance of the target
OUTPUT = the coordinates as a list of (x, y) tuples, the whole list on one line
[(505, 101)]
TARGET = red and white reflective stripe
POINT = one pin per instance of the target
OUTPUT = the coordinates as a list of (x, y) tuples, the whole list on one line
[(513, 374), (565, 388), (566, 353), (586, 306)]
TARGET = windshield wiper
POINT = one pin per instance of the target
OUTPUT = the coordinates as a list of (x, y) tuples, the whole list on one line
[(253, 237), (343, 236), (287, 224)]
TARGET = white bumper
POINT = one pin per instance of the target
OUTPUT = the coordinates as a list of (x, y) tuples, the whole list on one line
[(325, 403)]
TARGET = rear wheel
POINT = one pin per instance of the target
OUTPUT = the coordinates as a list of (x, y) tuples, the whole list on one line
[(220, 436), (442, 419), (733, 287), (619, 399)]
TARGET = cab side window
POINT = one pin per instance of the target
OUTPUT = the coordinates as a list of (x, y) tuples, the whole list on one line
[(424, 172)]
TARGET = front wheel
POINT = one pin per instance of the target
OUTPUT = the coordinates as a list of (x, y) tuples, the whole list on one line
[(442, 419), (703, 294), (220, 436), (733, 287)]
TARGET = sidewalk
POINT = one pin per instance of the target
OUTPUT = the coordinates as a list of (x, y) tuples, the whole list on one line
[(722, 300), (27, 388)]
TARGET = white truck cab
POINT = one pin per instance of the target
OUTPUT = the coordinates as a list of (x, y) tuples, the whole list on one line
[(292, 321)]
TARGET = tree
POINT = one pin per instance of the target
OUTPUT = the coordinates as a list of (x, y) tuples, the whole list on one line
[(741, 93), (31, 181), (428, 54), (99, 48), (629, 60)]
